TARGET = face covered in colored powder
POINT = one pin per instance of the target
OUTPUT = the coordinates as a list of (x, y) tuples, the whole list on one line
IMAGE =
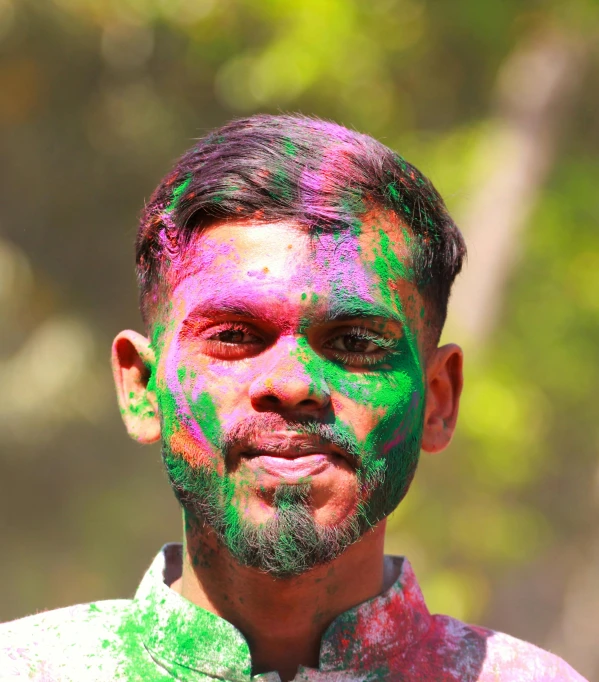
[(290, 384)]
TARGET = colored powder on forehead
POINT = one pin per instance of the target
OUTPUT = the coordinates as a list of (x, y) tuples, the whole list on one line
[(389, 268), (388, 252), (339, 257)]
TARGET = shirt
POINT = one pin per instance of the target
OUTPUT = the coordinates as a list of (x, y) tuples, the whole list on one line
[(159, 636)]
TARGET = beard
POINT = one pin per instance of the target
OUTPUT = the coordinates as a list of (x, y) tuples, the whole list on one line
[(291, 542)]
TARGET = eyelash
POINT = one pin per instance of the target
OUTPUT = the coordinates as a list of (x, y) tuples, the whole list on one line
[(383, 342), (387, 346), (225, 348)]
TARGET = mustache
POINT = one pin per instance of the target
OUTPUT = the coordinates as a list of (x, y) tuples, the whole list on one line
[(254, 427)]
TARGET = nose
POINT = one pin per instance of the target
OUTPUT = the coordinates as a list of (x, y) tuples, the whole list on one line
[(286, 385)]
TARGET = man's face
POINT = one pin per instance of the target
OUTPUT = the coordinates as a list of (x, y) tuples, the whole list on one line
[(290, 385)]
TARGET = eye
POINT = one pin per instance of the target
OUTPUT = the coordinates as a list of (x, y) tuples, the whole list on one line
[(361, 347), (231, 341), (354, 343), (234, 337)]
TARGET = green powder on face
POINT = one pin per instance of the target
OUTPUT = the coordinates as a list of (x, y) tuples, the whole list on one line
[(169, 410), (203, 411), (373, 388), (157, 337), (158, 332), (387, 392), (390, 266), (394, 396), (390, 269), (393, 390)]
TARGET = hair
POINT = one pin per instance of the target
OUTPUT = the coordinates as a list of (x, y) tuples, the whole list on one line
[(296, 168)]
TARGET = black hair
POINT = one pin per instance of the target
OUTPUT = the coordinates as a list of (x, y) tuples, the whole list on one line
[(313, 172)]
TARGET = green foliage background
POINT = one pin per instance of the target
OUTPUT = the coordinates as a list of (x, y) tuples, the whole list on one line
[(99, 97)]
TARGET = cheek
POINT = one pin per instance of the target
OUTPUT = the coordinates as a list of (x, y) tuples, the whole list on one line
[(210, 396), (190, 412), (359, 419), (400, 424), (377, 407), (227, 384)]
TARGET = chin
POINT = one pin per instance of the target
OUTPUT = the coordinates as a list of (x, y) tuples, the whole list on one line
[(330, 498)]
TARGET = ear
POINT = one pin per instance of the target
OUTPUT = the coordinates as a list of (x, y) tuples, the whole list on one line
[(444, 386), (133, 362)]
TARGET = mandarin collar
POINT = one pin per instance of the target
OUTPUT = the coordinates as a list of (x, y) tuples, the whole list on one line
[(181, 636)]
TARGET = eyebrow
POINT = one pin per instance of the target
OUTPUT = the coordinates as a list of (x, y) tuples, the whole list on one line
[(220, 306), (344, 310), (338, 311)]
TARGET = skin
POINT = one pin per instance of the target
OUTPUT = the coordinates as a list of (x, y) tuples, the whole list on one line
[(248, 334)]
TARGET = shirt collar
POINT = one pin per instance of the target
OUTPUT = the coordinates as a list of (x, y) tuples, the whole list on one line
[(180, 635), (364, 637)]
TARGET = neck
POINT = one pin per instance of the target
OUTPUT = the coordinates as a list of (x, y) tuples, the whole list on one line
[(283, 620)]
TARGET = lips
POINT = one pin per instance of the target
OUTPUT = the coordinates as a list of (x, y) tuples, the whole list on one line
[(298, 467), (289, 454)]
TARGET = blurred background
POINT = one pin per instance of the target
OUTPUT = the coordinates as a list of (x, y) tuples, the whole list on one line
[(496, 101)]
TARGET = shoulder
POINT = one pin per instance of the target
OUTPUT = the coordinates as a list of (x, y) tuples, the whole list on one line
[(35, 647), (506, 658), (510, 658)]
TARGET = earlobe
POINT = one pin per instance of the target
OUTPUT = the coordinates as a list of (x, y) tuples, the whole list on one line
[(444, 386), (133, 362)]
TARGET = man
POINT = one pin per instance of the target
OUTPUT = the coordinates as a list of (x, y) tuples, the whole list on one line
[(294, 280)]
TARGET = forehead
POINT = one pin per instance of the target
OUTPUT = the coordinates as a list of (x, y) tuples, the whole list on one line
[(284, 264)]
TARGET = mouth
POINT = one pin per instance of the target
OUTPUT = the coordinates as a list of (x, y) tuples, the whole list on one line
[(290, 455), (295, 468)]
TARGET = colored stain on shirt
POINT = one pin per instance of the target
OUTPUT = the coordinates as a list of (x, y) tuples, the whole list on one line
[(161, 636)]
